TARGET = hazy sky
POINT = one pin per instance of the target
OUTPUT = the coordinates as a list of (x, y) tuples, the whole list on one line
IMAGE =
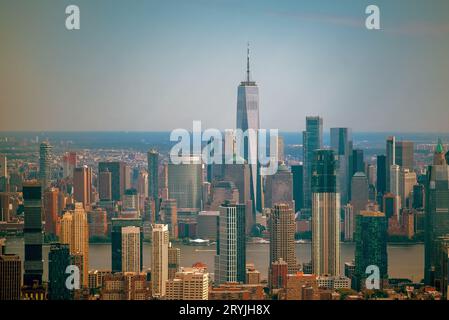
[(158, 65)]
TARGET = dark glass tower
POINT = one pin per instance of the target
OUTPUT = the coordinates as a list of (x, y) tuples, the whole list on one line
[(32, 197), (116, 241), (153, 178), (381, 174), (58, 260), (312, 140), (341, 143), (371, 245), (436, 215), (358, 162)]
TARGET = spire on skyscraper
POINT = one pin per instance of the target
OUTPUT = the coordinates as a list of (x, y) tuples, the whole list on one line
[(247, 64)]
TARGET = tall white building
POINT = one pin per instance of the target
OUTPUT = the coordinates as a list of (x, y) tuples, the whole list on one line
[(159, 261)]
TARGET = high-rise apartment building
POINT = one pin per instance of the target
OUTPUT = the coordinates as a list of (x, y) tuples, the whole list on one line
[(230, 260), (174, 261), (44, 164), (188, 284), (131, 249), (282, 226), (117, 224), (159, 260)]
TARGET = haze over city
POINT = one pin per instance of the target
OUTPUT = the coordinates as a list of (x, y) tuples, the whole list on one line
[(159, 65)]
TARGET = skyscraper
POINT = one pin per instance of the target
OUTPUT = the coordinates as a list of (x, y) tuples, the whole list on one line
[(341, 143), (298, 184), (381, 174), (436, 211), (279, 187), (358, 162), (80, 239), (230, 261), (390, 159), (185, 182), (282, 226), (117, 224), (131, 249), (153, 176), (394, 182), (10, 276), (44, 164), (51, 197), (82, 186), (3, 166), (407, 179), (371, 245), (312, 139), (359, 192), (404, 154), (117, 170), (58, 260), (159, 260), (32, 197), (248, 118), (325, 215), (104, 185), (174, 258), (170, 213)]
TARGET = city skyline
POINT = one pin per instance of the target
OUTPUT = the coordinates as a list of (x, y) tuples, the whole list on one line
[(308, 58)]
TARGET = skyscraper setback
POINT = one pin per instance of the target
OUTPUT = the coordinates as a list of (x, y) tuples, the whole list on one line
[(248, 118)]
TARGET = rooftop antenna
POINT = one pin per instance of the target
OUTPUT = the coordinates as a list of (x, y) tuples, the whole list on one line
[(247, 63)]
